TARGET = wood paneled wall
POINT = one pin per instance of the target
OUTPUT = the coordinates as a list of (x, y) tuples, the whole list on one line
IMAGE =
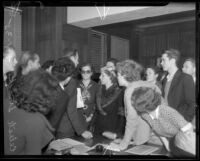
[(153, 41), (46, 32)]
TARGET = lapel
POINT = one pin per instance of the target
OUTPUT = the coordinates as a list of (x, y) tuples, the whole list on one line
[(175, 80), (164, 83)]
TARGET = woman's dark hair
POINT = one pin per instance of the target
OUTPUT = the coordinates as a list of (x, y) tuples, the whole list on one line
[(47, 64), (38, 92), (63, 68), (145, 99), (156, 70), (85, 64)]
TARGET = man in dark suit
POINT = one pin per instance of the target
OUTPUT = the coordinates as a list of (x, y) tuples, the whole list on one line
[(71, 121), (178, 88)]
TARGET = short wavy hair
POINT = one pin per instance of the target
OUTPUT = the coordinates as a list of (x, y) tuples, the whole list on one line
[(145, 99), (130, 70), (63, 68), (38, 93)]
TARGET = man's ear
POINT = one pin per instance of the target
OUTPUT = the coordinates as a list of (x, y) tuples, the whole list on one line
[(156, 75), (173, 61)]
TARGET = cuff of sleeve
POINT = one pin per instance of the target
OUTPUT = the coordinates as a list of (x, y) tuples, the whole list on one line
[(186, 127)]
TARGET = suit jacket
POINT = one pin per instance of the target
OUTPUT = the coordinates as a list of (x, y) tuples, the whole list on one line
[(181, 94), (57, 113), (72, 121)]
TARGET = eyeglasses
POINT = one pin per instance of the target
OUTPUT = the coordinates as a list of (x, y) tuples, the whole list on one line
[(86, 71)]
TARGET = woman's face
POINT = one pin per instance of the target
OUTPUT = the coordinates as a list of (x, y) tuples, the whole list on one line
[(9, 61), (110, 65), (36, 63), (150, 75), (86, 73), (104, 78), (121, 80), (188, 68)]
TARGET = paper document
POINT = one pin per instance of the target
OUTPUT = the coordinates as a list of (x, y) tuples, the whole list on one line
[(71, 142), (62, 144), (58, 145), (142, 149)]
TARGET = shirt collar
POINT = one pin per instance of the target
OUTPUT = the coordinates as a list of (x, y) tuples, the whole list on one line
[(157, 112), (61, 85), (170, 76)]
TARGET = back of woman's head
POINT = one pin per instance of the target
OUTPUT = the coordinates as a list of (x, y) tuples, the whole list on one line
[(130, 70), (38, 92), (63, 68), (145, 99)]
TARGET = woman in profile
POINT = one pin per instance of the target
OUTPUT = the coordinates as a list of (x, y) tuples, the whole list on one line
[(28, 131), (136, 129)]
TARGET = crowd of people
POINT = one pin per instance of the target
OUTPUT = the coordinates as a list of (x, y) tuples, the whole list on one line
[(61, 99)]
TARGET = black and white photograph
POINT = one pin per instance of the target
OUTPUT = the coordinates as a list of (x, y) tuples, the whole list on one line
[(100, 80)]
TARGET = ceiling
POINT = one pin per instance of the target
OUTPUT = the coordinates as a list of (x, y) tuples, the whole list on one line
[(86, 17)]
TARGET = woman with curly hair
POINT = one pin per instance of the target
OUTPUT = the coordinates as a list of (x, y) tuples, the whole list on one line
[(136, 129), (176, 133), (28, 130)]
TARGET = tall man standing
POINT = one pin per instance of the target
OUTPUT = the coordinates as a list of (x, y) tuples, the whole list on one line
[(178, 88)]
